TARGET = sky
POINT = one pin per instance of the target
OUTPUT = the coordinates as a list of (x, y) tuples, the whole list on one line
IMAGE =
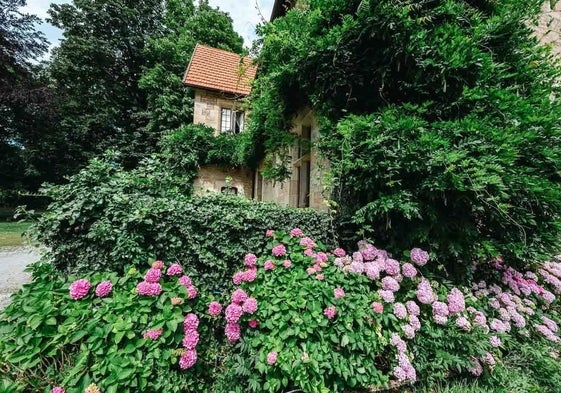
[(245, 14)]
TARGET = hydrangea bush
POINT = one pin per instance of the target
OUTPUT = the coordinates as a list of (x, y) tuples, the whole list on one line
[(301, 317)]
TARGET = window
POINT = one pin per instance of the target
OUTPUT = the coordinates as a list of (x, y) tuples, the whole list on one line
[(231, 121)]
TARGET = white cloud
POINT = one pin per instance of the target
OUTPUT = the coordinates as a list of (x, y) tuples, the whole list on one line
[(40, 7)]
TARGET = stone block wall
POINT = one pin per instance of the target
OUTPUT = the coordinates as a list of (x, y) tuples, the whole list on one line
[(208, 106), (548, 29)]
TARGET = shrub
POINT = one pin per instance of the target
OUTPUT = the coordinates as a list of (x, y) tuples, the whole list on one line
[(104, 219)]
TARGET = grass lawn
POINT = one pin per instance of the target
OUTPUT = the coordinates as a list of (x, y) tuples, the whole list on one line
[(10, 233)]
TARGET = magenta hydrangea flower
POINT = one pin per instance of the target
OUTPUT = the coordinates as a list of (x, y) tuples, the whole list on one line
[(311, 270), (287, 263), (269, 233), (320, 277), (57, 389), (79, 288), (233, 313), (322, 257), (174, 270), (399, 310), (307, 242), (339, 252), (253, 323), (390, 284), (296, 232), (408, 270), (158, 265), (153, 275), (279, 250), (309, 253), (456, 301), (185, 281), (250, 305), (239, 296), (146, 288), (191, 339), (191, 292), (238, 278), (330, 312), (249, 275), (372, 270), (377, 307), (214, 309), (250, 260), (152, 334), (190, 322), (339, 293), (272, 358), (269, 265), (103, 288), (232, 332), (419, 257), (188, 359)]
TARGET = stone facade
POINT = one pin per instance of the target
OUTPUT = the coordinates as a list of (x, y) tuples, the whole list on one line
[(209, 104), (548, 29), (217, 179), (305, 187)]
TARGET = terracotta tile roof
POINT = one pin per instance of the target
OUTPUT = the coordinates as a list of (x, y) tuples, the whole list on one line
[(220, 70)]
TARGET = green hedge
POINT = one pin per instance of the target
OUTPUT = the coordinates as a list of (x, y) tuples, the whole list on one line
[(100, 230)]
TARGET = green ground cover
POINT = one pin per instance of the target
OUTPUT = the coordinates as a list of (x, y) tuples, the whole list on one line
[(11, 233)]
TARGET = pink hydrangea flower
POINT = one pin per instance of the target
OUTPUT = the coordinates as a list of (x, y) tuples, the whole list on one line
[(330, 312), (103, 288), (272, 358), (153, 275), (185, 281), (398, 343), (377, 307), (440, 308), (152, 334), (372, 270), (188, 359), (268, 265), (412, 307), (191, 339), (157, 265), (463, 324), (320, 277), (190, 322), (250, 305), (392, 267), (495, 341), (148, 289), (287, 263), (498, 326), (408, 331), (387, 296), (548, 334), (57, 389), (214, 309), (339, 293), (233, 313), (232, 332), (269, 233), (239, 296), (415, 322), (476, 369), (296, 232), (250, 260), (79, 288), (419, 257), (409, 270), (253, 323), (309, 253), (456, 302), (174, 270), (551, 325), (238, 278), (425, 293), (390, 284), (339, 252), (279, 250), (307, 242), (399, 310), (310, 270), (191, 292), (250, 275), (488, 359)]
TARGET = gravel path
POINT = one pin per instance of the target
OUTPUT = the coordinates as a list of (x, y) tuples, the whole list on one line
[(12, 276)]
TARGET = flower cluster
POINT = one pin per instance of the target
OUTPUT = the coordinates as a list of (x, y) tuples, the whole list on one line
[(188, 284), (103, 289), (152, 334), (241, 303), (79, 288), (151, 285), (188, 356)]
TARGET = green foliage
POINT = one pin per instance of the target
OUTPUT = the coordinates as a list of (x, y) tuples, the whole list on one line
[(48, 339), (105, 218), (440, 120)]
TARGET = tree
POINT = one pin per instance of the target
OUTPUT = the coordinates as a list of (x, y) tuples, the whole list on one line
[(439, 119)]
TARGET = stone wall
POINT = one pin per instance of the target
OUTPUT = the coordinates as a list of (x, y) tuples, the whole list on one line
[(208, 105), (214, 178), (548, 30)]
